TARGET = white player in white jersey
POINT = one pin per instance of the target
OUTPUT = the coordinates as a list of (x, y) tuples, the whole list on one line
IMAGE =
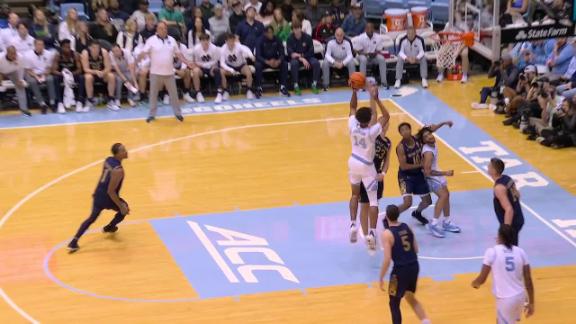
[(234, 62), (437, 181), (511, 277), (364, 127)]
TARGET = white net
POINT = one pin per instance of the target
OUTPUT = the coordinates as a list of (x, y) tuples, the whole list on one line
[(447, 49)]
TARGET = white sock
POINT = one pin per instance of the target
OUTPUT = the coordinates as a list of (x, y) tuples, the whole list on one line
[(434, 221), (447, 220)]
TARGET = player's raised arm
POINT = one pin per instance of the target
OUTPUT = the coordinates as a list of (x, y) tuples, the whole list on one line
[(373, 91), (353, 102), (435, 127), (384, 119)]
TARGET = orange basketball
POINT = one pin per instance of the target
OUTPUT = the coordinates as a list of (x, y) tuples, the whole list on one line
[(357, 80)]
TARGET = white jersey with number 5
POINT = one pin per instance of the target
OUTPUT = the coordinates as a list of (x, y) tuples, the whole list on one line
[(363, 139), (507, 270)]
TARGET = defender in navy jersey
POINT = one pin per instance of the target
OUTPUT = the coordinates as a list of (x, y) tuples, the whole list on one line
[(506, 198), (411, 177), (401, 248), (107, 195)]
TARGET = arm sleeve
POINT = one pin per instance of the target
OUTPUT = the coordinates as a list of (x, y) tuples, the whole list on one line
[(223, 64), (349, 55), (328, 55), (246, 52), (524, 257), (401, 52), (489, 257)]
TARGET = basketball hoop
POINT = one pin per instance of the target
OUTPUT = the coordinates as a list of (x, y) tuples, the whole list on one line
[(447, 46)]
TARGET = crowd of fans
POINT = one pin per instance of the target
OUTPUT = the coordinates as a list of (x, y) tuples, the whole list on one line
[(535, 86), (70, 56)]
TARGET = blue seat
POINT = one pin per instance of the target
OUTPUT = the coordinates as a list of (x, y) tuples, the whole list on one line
[(3, 23), (79, 6)]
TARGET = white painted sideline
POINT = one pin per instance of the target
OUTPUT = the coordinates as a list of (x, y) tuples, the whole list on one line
[(538, 216)]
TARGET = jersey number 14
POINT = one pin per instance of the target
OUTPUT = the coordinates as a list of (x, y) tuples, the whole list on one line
[(360, 142)]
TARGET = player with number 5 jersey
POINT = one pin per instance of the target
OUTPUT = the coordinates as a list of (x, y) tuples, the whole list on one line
[(364, 126), (511, 277), (107, 195)]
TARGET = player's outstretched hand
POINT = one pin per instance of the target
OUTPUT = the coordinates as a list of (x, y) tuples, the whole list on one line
[(450, 123), (449, 173), (373, 91)]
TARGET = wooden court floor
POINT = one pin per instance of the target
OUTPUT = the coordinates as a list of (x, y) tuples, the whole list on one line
[(211, 163)]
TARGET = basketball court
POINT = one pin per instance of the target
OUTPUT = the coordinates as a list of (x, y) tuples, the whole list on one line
[(240, 215)]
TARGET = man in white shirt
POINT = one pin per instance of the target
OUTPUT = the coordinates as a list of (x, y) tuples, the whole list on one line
[(207, 59), (38, 68), (369, 45), (162, 49), (511, 277), (12, 66), (11, 31), (338, 56), (412, 52), (23, 42), (233, 62)]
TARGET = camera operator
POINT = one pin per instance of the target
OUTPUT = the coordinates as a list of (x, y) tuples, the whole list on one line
[(564, 132), (539, 98), (506, 74)]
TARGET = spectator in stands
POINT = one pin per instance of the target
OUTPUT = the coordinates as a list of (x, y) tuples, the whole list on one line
[(124, 68), (82, 39), (338, 56), (250, 30), (38, 68), (517, 8), (559, 61), (338, 12), (266, 13), (270, 55), (197, 13), (140, 15), (97, 4), (287, 10), (12, 67), (195, 32), (564, 133), (67, 28), (67, 59), (219, 25), (298, 15), (23, 42), (325, 29), (129, 6), (207, 9), (411, 50), (129, 39), (207, 63), (237, 15), (354, 24), (233, 62), (301, 53), (97, 68), (103, 29), (150, 27), (253, 3), (568, 89), (41, 29), (280, 26), (173, 19), (368, 46), (541, 50), (115, 12), (11, 31), (315, 14)]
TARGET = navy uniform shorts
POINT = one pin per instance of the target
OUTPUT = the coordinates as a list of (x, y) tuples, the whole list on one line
[(413, 183), (364, 196), (101, 203), (403, 279)]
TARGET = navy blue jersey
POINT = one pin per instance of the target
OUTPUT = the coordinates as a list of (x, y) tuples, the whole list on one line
[(413, 156), (382, 150), (513, 197), (101, 191), (403, 249)]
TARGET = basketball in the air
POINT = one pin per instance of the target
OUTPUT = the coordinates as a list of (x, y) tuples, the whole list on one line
[(357, 80)]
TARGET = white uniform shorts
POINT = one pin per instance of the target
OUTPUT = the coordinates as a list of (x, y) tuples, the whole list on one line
[(436, 183), (509, 310), (360, 172)]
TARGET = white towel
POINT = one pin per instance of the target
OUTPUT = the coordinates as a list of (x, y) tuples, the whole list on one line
[(69, 100)]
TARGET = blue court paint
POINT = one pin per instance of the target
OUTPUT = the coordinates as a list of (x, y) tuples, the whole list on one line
[(547, 200), (312, 243)]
